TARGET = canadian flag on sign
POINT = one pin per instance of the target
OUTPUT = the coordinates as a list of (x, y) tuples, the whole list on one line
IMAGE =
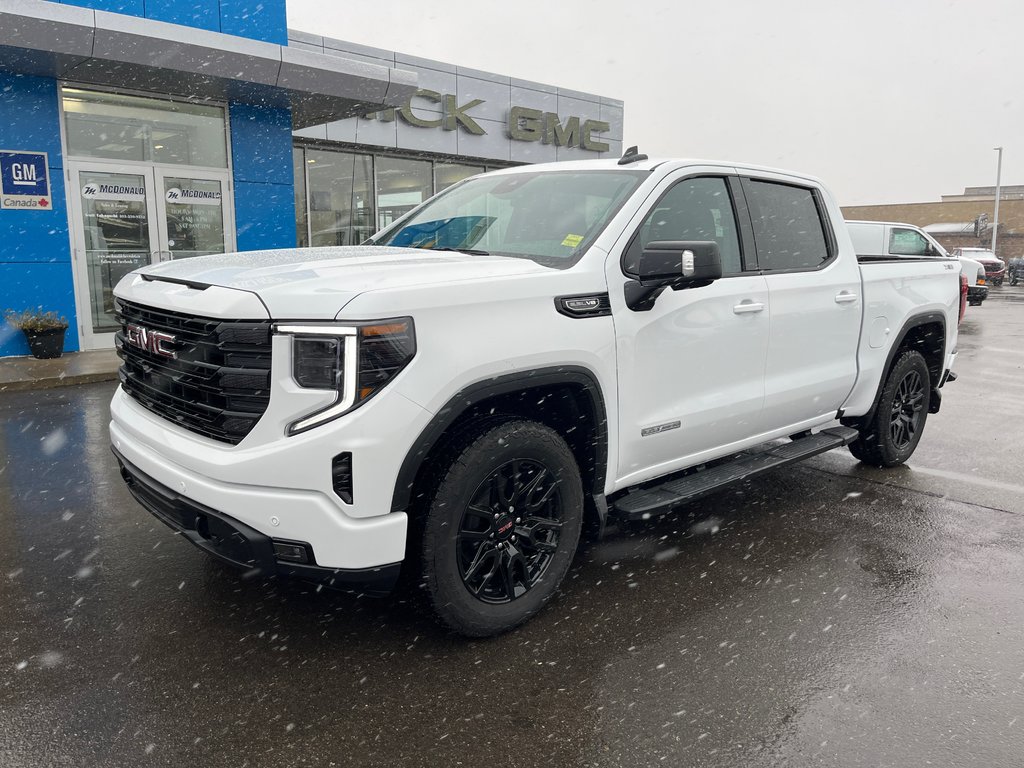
[(43, 202)]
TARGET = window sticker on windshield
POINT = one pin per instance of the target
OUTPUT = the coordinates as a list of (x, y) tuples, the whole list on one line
[(572, 240)]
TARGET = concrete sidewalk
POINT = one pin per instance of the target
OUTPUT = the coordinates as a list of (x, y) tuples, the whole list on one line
[(22, 373)]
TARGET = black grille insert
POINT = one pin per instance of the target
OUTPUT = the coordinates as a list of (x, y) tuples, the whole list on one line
[(218, 382)]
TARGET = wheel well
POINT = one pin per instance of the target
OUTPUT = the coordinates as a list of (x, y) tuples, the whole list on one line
[(930, 340), (572, 409), (928, 337)]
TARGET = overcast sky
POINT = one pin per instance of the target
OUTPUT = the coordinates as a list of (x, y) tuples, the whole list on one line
[(886, 101)]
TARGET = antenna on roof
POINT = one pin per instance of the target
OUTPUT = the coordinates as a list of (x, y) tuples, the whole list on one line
[(632, 155)]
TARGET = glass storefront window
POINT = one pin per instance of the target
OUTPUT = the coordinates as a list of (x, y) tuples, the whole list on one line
[(402, 184), (301, 213), (446, 174), (340, 197), (116, 126)]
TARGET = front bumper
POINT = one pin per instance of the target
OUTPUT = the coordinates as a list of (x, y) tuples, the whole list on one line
[(977, 292), (240, 545)]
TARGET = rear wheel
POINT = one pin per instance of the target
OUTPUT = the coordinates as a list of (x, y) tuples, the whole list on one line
[(502, 529), (891, 435)]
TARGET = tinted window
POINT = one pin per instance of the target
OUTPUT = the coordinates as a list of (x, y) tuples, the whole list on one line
[(694, 209), (907, 242), (788, 229)]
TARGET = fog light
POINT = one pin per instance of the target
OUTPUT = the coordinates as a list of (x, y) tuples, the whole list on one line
[(291, 551)]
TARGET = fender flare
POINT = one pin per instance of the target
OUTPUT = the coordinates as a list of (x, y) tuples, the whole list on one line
[(912, 322), (506, 384)]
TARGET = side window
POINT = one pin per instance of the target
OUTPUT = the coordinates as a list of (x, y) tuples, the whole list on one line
[(694, 209), (907, 242), (788, 227)]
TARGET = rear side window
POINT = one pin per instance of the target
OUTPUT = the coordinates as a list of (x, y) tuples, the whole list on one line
[(788, 227)]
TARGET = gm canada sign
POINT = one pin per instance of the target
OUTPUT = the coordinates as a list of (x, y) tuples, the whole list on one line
[(524, 124), (24, 181)]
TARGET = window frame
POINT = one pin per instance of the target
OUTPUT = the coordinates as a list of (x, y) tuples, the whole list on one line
[(744, 238), (831, 243)]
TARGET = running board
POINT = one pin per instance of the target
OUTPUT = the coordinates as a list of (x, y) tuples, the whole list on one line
[(660, 499)]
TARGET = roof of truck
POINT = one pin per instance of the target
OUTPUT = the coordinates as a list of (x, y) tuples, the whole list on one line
[(649, 164)]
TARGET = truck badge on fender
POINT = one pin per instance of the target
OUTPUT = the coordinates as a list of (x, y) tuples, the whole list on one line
[(648, 431)]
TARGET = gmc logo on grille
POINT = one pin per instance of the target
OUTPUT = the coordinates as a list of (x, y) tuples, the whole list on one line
[(157, 342)]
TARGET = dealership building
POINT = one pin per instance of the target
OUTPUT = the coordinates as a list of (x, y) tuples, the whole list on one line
[(138, 131)]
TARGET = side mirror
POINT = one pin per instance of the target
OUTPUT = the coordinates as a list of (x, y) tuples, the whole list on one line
[(678, 263), (675, 264)]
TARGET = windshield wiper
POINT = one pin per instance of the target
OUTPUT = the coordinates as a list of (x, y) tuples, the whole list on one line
[(470, 251)]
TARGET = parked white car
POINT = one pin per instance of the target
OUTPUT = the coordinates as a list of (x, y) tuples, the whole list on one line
[(530, 350)]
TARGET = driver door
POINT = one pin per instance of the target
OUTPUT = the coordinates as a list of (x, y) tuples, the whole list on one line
[(691, 368)]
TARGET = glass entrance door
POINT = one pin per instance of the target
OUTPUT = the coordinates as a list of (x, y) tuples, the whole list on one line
[(192, 219), (128, 216)]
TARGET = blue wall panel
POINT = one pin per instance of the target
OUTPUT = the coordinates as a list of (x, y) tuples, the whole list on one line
[(261, 143), (204, 14), (129, 7), (37, 286), (261, 160), (35, 255), (264, 215), (259, 19)]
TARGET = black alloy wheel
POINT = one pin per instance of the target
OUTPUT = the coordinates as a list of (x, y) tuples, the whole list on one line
[(509, 532), (906, 411), (502, 527), (890, 434)]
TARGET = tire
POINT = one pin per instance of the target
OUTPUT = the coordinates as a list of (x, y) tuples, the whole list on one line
[(892, 433), (502, 528)]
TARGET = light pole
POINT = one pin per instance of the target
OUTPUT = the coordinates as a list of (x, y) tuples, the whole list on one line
[(995, 222)]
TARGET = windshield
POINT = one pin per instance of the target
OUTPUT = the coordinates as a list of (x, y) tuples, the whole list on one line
[(550, 216)]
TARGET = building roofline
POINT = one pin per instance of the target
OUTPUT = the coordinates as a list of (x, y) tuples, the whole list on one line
[(102, 48)]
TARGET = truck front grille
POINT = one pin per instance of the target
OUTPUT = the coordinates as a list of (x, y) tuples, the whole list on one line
[(208, 376)]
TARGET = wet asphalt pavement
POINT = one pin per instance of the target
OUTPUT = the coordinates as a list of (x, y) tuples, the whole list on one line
[(828, 614)]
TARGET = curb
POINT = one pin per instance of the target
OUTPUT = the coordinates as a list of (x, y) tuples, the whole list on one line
[(27, 385)]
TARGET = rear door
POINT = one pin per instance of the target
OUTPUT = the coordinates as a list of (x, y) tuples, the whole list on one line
[(691, 367), (816, 304)]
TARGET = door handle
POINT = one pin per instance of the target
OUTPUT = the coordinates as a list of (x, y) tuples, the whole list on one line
[(845, 297), (747, 306)]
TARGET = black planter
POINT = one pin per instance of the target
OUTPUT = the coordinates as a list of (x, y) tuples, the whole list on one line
[(46, 345)]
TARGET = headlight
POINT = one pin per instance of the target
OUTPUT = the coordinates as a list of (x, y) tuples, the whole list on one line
[(355, 360)]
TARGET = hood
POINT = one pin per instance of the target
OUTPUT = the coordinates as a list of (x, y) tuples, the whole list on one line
[(316, 283)]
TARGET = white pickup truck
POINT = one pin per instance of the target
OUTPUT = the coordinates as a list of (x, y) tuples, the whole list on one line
[(531, 351)]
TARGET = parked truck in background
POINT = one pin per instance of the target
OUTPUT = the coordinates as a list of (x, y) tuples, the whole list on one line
[(873, 240), (531, 350)]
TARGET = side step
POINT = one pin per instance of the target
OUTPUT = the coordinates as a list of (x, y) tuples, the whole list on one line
[(660, 499)]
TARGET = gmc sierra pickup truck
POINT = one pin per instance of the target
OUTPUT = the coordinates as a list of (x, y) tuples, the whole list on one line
[(531, 351)]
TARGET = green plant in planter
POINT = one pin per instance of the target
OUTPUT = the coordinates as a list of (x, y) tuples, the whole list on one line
[(43, 330)]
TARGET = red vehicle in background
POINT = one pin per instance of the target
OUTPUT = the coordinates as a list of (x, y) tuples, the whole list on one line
[(995, 268)]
